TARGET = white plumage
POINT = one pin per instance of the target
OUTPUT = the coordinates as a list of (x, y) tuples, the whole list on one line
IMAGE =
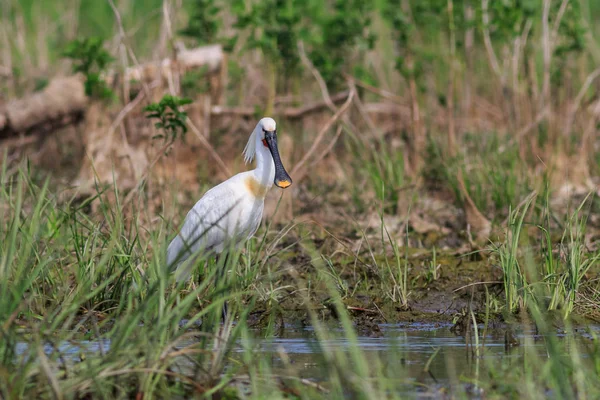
[(230, 213)]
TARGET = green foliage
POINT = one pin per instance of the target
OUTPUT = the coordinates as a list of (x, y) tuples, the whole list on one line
[(171, 120), (204, 22), (424, 16), (570, 40), (275, 33), (508, 17), (40, 84), (577, 260), (90, 58), (515, 275), (341, 29), (330, 31), (494, 175), (571, 30)]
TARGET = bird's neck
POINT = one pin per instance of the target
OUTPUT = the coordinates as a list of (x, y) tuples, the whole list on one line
[(265, 168)]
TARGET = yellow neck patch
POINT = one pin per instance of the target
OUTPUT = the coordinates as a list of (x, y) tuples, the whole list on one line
[(256, 188)]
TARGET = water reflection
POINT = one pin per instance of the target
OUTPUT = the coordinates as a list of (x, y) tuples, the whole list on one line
[(404, 349)]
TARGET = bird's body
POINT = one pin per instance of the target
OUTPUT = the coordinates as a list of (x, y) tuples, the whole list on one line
[(230, 213), (227, 215)]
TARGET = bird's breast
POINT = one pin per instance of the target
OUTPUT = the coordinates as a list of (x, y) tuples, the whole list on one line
[(255, 188)]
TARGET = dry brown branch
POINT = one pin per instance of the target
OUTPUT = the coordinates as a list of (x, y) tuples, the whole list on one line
[(64, 101), (127, 109), (211, 57), (317, 76), (211, 150), (387, 108), (61, 102), (297, 171), (381, 92), (288, 112), (299, 112), (18, 141), (361, 109), (324, 91), (328, 148)]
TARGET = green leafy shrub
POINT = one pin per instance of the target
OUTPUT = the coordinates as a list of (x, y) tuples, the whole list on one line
[(204, 22), (275, 33), (171, 120), (341, 28), (90, 58)]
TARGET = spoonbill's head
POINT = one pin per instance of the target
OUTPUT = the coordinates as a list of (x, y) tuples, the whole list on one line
[(264, 140)]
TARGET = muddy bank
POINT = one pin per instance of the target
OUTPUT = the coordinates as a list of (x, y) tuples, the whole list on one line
[(439, 278)]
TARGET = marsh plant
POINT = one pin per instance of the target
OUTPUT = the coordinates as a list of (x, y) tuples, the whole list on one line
[(91, 59), (171, 118)]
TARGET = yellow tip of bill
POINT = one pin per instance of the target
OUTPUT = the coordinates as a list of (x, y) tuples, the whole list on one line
[(283, 184)]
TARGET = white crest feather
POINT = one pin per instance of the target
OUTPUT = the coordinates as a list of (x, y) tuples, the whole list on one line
[(250, 148)]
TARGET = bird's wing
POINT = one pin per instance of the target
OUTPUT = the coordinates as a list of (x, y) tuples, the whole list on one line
[(205, 226)]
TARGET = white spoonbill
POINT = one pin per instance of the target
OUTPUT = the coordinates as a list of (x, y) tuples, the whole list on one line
[(230, 213)]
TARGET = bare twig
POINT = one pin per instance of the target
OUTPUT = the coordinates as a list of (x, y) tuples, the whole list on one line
[(381, 92), (324, 91), (329, 147), (209, 147), (485, 18), (288, 112), (317, 76), (127, 109), (577, 102), (559, 16), (475, 284), (297, 170), (124, 49)]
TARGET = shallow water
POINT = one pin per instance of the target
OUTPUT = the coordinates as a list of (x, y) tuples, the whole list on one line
[(409, 347), (404, 349)]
